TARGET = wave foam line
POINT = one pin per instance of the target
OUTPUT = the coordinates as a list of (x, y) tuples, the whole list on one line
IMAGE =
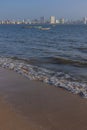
[(58, 79)]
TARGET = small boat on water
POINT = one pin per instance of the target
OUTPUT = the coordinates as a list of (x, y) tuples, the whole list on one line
[(37, 27), (44, 28)]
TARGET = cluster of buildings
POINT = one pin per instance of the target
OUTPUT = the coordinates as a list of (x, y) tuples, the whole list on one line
[(42, 20), (53, 20), (13, 22)]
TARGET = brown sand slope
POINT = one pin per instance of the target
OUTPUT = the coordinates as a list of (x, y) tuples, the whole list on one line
[(31, 105)]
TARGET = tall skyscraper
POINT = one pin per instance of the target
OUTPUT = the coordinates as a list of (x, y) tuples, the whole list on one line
[(62, 21), (52, 20), (85, 20)]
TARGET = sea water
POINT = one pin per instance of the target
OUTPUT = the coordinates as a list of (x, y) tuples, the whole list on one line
[(57, 56)]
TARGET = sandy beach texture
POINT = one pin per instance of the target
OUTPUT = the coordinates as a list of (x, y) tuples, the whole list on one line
[(32, 105)]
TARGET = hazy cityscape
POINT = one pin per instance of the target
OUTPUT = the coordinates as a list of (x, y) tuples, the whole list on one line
[(43, 64), (42, 20)]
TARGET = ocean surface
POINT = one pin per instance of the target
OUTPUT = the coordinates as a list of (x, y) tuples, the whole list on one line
[(62, 50)]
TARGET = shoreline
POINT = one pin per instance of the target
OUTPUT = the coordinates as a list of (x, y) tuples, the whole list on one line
[(57, 79), (33, 105)]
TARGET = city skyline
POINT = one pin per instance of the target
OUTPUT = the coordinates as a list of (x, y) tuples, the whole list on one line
[(42, 20), (30, 9)]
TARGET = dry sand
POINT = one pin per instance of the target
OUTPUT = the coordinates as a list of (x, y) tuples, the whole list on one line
[(32, 105)]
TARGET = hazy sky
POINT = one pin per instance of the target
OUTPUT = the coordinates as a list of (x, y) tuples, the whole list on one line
[(19, 9)]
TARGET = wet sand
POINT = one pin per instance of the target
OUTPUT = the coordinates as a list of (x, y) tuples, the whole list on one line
[(32, 105)]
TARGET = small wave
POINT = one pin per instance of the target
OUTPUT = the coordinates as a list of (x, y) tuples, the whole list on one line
[(54, 60), (69, 40), (58, 79), (61, 60), (82, 49)]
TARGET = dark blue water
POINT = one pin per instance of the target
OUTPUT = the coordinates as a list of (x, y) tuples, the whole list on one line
[(62, 48)]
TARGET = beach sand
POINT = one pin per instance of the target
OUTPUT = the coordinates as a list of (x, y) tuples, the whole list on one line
[(33, 105)]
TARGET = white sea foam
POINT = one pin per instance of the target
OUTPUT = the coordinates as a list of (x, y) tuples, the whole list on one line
[(58, 79)]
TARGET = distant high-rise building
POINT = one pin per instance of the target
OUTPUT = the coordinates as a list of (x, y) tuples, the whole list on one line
[(57, 21), (42, 20), (62, 21), (85, 20), (52, 20)]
